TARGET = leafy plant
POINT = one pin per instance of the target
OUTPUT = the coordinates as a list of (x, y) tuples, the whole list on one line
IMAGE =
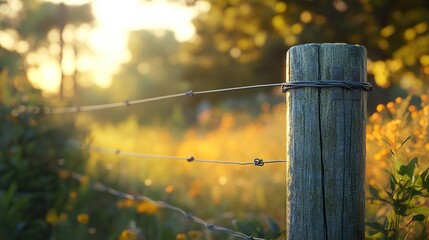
[(31, 148), (405, 197)]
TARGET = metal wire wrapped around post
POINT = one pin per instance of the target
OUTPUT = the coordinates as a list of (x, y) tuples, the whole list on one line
[(364, 86)]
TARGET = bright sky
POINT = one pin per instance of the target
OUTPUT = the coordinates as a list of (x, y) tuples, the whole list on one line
[(115, 18), (109, 37)]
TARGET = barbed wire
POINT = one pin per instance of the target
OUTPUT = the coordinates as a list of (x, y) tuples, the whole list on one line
[(256, 162), (365, 86), (126, 103), (104, 188)]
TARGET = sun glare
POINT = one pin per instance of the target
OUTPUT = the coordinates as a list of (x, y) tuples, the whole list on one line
[(134, 14), (46, 77), (108, 38)]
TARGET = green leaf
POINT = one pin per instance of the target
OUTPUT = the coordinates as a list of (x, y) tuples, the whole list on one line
[(414, 192), (402, 144), (392, 184), (424, 174), (377, 236), (425, 179), (408, 169), (388, 145), (374, 193), (416, 218), (401, 207), (419, 217), (421, 209)]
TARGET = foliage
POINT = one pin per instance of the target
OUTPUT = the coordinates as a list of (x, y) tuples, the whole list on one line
[(232, 196), (246, 40), (218, 135), (392, 123), (34, 34), (400, 211), (240, 42), (222, 135), (31, 148), (406, 197)]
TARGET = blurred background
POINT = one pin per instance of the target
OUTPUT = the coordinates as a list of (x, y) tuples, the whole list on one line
[(83, 52)]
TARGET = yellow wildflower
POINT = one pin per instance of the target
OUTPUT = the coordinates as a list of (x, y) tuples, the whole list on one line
[(128, 234), (82, 218), (398, 100), (181, 236), (63, 174), (169, 189), (374, 117), (380, 107), (51, 217), (391, 107), (193, 234), (412, 108), (84, 180), (147, 207)]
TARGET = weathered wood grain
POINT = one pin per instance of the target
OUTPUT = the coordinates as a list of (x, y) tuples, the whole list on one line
[(325, 132)]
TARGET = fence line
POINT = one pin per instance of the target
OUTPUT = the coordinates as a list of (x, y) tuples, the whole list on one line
[(126, 103), (284, 88), (256, 162), (365, 86), (104, 188)]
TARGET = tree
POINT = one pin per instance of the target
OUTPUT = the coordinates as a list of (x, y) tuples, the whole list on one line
[(242, 42), (27, 24), (153, 70)]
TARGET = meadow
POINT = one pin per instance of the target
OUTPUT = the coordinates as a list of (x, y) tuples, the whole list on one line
[(248, 198)]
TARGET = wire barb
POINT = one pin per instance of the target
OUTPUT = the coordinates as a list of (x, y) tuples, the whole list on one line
[(189, 93), (258, 162), (104, 188)]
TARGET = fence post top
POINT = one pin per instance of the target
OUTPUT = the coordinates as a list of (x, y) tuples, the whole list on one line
[(327, 44)]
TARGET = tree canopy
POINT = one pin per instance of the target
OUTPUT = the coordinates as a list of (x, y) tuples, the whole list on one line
[(31, 32), (237, 42), (250, 38)]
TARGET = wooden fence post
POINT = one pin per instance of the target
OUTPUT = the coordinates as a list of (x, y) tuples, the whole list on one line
[(325, 144)]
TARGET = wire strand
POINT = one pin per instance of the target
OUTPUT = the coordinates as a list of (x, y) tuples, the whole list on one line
[(86, 108), (256, 161), (104, 188), (365, 86)]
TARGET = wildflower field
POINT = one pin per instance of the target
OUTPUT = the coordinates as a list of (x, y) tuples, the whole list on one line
[(225, 195)]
